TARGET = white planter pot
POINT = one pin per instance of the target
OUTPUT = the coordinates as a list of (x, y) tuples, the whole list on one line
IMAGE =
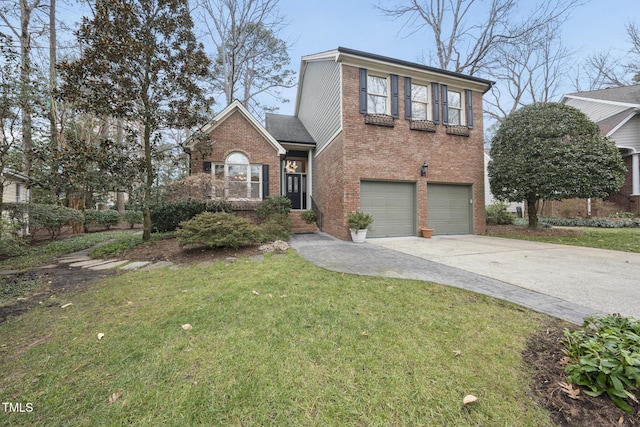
[(359, 236)]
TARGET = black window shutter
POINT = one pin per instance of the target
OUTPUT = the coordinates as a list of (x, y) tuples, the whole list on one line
[(363, 90), (445, 105), (265, 181), (435, 95), (469, 95), (407, 98), (395, 97), (206, 167)]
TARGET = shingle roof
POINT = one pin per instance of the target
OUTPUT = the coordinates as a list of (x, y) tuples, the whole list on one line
[(628, 94), (287, 129)]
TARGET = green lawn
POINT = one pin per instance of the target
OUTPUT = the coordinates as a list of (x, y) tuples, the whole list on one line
[(277, 342), (617, 239)]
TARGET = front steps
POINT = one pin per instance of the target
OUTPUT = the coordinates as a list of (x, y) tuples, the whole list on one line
[(299, 225)]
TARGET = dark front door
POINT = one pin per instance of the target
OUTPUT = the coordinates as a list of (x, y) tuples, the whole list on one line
[(296, 191)]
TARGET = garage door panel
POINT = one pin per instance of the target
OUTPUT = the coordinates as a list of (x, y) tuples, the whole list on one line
[(392, 205), (449, 210)]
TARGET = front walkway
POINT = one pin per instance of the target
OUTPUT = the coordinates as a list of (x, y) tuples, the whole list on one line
[(373, 260)]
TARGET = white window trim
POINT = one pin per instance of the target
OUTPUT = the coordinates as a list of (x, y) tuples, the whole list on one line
[(462, 108), (427, 104), (386, 96), (249, 183)]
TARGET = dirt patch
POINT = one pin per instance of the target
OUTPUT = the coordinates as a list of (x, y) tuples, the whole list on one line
[(168, 250), (54, 283), (544, 355)]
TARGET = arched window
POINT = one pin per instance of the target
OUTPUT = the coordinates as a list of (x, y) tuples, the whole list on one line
[(243, 180)]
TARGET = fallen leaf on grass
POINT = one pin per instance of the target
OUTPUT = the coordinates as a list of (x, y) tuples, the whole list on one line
[(66, 305), (573, 393), (457, 353), (469, 398), (255, 293), (115, 396), (621, 420), (100, 336), (187, 327)]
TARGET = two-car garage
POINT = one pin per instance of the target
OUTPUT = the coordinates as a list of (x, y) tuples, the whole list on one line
[(393, 206)]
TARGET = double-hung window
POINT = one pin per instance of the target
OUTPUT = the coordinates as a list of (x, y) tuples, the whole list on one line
[(419, 102), (454, 103), (377, 95), (242, 179)]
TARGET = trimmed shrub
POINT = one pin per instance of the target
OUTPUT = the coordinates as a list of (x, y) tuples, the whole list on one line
[(101, 218), (278, 205), (132, 217), (277, 227), (51, 218), (496, 214), (219, 229), (309, 217), (167, 216), (10, 243), (595, 222)]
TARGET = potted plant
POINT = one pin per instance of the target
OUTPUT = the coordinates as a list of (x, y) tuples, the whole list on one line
[(359, 222), (426, 232)]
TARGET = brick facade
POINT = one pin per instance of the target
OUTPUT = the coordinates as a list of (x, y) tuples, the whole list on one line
[(236, 134), (370, 152)]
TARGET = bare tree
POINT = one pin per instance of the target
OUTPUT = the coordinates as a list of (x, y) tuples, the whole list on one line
[(468, 35), (250, 60), (530, 70), (22, 32), (605, 69)]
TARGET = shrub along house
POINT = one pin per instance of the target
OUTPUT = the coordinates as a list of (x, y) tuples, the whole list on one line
[(396, 139)]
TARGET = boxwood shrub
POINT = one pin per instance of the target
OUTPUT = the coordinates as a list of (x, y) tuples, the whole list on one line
[(101, 218), (218, 229), (167, 216)]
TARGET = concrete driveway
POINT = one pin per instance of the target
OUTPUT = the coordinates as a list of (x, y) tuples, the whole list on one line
[(604, 280)]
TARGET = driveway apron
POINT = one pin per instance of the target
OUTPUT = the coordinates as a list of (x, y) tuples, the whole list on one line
[(536, 276)]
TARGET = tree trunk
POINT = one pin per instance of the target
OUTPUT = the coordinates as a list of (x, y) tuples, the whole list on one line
[(53, 115), (146, 214), (532, 210)]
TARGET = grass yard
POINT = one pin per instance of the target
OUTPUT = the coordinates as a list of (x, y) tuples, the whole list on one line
[(276, 342), (617, 239)]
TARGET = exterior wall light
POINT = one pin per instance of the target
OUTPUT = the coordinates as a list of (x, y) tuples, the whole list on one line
[(423, 169)]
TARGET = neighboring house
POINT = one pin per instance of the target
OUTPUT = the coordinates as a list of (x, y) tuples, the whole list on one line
[(516, 208), (399, 140), (617, 112), (15, 187), (15, 191)]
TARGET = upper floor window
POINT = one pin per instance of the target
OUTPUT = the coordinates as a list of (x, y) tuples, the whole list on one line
[(454, 103), (419, 102), (377, 95)]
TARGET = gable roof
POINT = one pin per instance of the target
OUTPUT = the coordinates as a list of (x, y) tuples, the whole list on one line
[(235, 106), (288, 129), (343, 54), (610, 108)]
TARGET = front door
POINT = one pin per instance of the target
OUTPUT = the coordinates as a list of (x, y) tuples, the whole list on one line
[(296, 190)]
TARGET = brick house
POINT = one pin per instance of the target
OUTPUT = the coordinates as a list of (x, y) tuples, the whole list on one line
[(617, 112), (399, 140)]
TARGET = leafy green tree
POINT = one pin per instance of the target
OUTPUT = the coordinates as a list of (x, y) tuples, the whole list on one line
[(140, 63), (551, 151)]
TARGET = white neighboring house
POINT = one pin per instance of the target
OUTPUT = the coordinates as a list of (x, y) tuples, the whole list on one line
[(617, 112), (516, 208), (15, 189)]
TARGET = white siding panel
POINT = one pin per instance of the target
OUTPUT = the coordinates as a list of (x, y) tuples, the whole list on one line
[(320, 102), (596, 111), (628, 135)]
